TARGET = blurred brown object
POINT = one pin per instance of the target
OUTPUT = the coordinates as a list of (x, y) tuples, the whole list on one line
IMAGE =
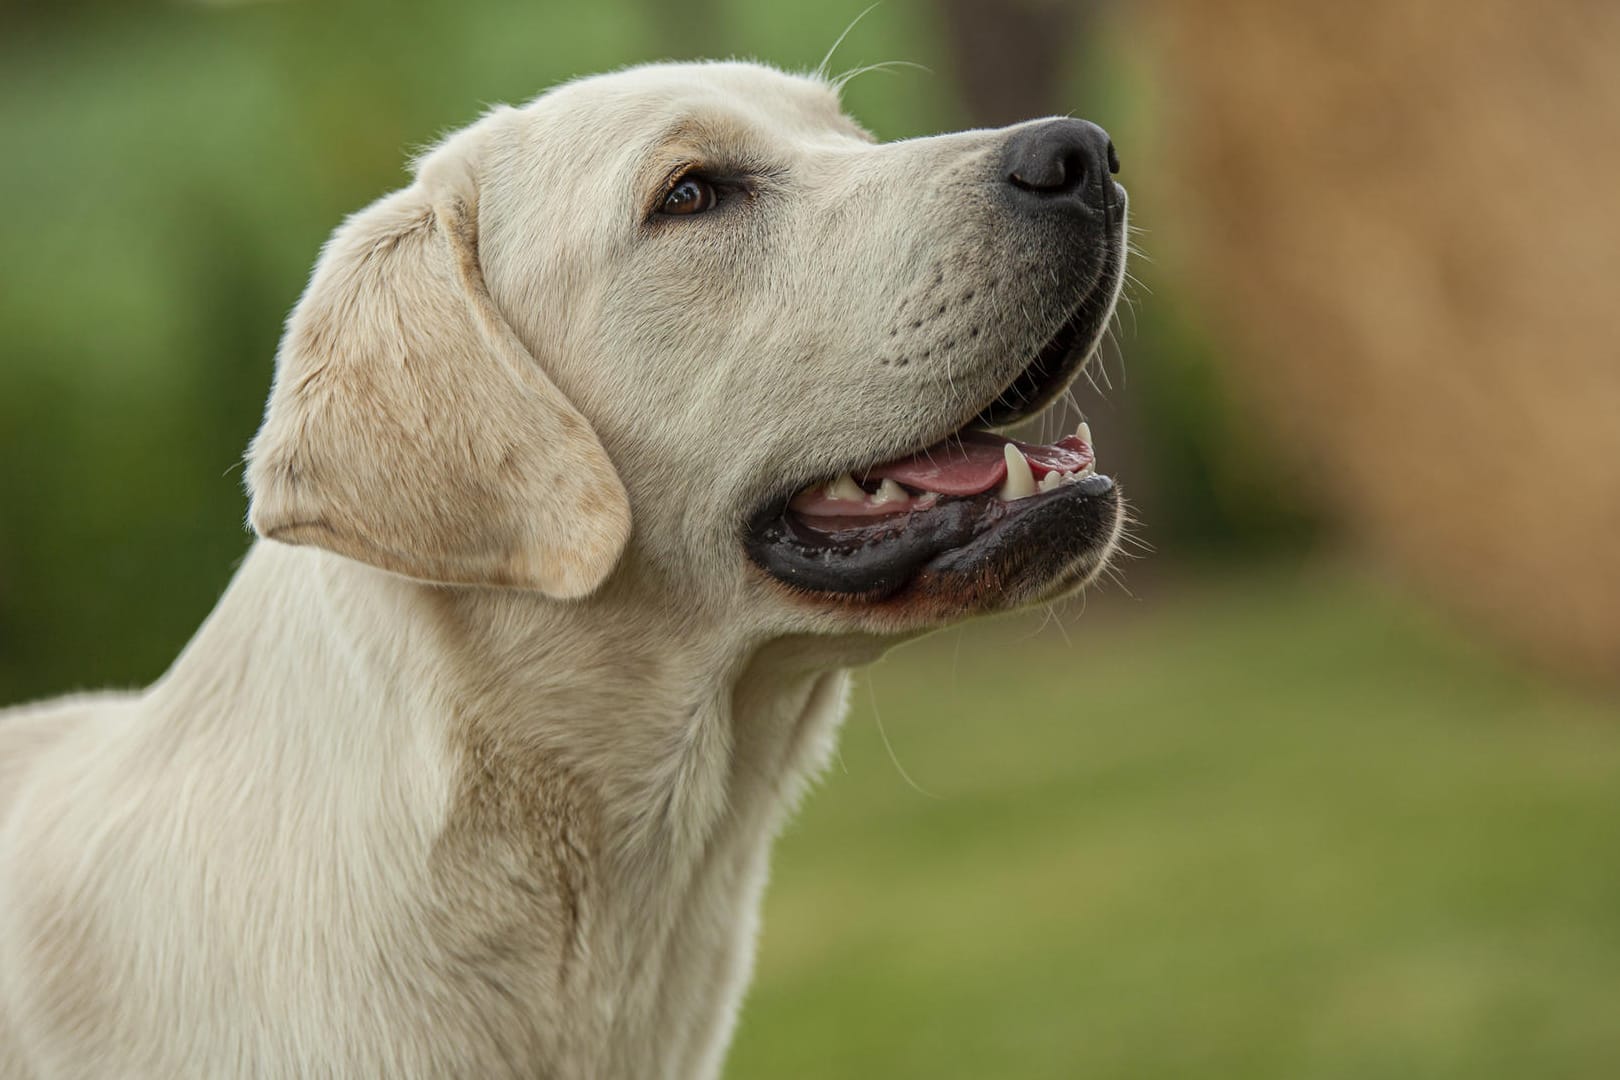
[(1010, 55), (1405, 221)]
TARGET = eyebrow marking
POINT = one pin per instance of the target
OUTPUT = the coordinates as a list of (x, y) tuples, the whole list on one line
[(724, 146)]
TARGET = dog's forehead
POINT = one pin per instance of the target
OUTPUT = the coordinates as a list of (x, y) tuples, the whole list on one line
[(647, 100)]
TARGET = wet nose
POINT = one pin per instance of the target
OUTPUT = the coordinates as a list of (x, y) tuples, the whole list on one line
[(1062, 160)]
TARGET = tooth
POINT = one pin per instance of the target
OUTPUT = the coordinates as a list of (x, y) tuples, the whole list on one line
[(1083, 433), (889, 492), (1020, 482), (844, 487), (1085, 472), (1049, 481)]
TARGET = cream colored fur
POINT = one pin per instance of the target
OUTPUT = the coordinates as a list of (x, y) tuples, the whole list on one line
[(474, 770)]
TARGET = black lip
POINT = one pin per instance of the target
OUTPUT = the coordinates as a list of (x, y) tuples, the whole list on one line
[(958, 536)]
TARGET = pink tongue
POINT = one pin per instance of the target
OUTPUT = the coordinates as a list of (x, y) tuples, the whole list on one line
[(976, 461)]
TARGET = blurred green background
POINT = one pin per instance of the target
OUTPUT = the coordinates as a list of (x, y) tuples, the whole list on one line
[(1279, 805)]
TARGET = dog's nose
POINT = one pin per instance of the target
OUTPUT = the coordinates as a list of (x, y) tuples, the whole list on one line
[(1063, 160)]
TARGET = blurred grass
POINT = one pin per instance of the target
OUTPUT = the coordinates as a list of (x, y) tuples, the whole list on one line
[(1285, 827)]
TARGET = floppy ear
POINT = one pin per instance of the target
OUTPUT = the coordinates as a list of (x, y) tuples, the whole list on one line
[(409, 427)]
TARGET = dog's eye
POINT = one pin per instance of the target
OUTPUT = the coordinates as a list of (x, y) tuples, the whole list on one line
[(693, 195)]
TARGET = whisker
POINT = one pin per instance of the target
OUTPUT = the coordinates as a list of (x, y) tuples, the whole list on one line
[(901, 769), (886, 65), (821, 68), (1051, 610)]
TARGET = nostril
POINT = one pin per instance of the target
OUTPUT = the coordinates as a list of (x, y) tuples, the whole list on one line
[(1073, 167), (1055, 174)]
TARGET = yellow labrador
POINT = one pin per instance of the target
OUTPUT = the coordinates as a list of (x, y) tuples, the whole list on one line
[(595, 458)]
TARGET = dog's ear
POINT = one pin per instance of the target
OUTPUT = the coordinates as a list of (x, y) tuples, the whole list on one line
[(411, 429)]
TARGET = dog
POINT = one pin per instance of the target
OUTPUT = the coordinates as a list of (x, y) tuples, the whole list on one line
[(595, 459)]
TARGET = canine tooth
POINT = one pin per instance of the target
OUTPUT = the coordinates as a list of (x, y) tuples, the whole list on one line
[(889, 492), (844, 487), (1083, 433), (1020, 481)]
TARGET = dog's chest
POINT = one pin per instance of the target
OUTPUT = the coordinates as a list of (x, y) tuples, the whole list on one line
[(586, 951)]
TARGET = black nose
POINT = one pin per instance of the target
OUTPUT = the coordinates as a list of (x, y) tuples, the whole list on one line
[(1063, 160)]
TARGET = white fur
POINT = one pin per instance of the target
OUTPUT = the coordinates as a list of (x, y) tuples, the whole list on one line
[(475, 768)]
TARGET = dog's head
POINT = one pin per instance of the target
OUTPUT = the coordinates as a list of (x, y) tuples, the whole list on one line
[(692, 325)]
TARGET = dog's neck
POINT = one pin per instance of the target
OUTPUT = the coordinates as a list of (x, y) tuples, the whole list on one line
[(607, 775)]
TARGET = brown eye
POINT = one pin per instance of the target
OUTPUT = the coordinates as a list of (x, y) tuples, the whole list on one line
[(693, 195)]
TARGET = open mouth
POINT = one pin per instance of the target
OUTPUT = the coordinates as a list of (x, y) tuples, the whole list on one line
[(976, 509)]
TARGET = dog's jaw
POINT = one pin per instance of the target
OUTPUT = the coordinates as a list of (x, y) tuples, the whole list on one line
[(973, 524)]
